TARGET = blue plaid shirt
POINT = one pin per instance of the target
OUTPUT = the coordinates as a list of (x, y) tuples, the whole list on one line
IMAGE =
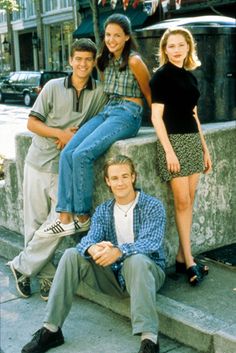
[(149, 226)]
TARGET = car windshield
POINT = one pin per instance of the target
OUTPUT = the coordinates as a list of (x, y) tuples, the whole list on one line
[(49, 75), (33, 79)]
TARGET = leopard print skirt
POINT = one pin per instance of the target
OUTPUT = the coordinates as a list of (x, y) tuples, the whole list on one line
[(188, 149)]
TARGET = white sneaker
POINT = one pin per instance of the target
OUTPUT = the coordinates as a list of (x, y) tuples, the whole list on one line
[(57, 228), (81, 227)]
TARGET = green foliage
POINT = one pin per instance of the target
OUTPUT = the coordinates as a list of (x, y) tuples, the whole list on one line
[(10, 5)]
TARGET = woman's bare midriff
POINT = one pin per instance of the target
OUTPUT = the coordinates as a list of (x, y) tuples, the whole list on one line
[(135, 100)]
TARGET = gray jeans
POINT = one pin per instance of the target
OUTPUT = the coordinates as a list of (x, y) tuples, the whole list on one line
[(143, 279)]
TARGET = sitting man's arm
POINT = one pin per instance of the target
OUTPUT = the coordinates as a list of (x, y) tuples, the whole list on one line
[(95, 243), (42, 129)]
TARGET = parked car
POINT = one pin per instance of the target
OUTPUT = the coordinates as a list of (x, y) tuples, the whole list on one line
[(4, 77), (26, 85), (199, 21)]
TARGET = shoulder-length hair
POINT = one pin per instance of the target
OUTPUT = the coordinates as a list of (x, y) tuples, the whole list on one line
[(104, 55), (191, 61)]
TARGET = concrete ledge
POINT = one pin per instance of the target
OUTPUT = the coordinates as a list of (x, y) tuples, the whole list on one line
[(225, 340), (215, 203), (184, 323), (11, 243)]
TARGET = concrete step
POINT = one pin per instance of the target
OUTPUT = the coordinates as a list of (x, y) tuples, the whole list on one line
[(194, 316), (82, 330), (11, 243)]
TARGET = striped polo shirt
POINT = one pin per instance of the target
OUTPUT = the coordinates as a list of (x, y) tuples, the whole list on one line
[(59, 106)]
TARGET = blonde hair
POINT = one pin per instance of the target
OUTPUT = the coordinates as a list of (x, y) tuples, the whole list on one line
[(191, 61)]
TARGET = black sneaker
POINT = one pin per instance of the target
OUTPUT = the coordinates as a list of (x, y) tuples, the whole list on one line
[(22, 282), (45, 285), (43, 340), (148, 346)]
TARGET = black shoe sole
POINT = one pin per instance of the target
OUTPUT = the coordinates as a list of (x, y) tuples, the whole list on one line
[(43, 350), (17, 285)]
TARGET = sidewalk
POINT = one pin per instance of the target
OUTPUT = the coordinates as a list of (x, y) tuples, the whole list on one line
[(203, 317), (88, 328), (13, 120)]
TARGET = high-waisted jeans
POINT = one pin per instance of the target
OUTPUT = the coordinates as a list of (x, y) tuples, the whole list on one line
[(118, 120)]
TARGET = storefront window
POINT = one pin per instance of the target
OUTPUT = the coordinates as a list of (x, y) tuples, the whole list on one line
[(50, 5), (4, 57), (30, 8), (60, 44), (3, 17), (65, 3)]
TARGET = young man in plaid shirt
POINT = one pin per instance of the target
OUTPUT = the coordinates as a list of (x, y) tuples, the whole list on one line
[(122, 255)]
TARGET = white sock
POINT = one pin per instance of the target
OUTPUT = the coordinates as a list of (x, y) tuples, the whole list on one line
[(150, 336), (50, 327)]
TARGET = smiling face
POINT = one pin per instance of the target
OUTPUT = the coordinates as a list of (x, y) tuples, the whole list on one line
[(82, 63), (115, 39), (176, 49), (121, 181)]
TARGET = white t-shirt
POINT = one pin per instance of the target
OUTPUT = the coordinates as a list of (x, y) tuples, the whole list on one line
[(123, 215)]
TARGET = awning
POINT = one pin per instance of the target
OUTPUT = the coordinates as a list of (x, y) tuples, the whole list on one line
[(137, 17)]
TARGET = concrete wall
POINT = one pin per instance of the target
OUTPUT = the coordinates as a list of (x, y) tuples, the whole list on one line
[(215, 205)]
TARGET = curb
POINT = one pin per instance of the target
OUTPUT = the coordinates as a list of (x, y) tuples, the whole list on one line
[(184, 323)]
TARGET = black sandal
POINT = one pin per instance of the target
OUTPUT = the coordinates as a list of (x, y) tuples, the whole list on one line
[(196, 274), (180, 267), (204, 269)]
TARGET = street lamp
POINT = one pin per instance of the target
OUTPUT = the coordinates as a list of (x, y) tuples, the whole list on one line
[(35, 40), (6, 46)]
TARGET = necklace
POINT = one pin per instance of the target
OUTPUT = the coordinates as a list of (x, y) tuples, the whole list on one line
[(125, 211)]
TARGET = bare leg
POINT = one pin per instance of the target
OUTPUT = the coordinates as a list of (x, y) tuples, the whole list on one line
[(183, 189), (66, 217)]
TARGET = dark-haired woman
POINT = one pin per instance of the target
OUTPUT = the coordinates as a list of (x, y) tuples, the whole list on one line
[(182, 151), (126, 82)]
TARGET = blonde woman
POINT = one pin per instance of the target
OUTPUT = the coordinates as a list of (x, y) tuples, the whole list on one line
[(182, 150)]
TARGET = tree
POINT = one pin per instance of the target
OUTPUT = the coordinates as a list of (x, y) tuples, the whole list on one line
[(10, 5), (94, 7)]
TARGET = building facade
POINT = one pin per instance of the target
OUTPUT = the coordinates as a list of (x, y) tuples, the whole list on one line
[(38, 36)]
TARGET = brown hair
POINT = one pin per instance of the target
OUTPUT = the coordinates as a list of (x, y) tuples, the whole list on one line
[(119, 159), (83, 44)]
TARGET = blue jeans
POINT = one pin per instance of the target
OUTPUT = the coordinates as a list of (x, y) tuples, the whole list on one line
[(118, 120)]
